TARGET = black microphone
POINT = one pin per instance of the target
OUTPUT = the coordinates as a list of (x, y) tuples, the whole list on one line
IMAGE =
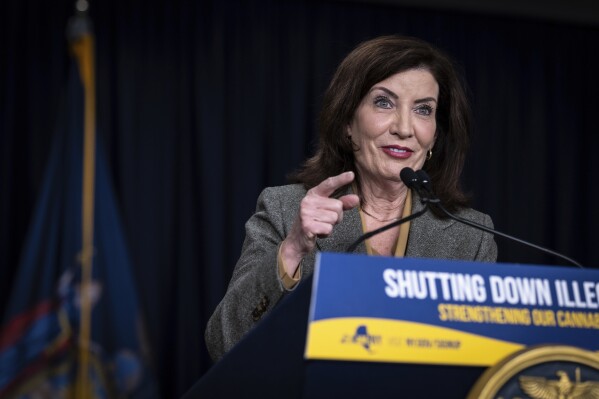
[(424, 186), (411, 180)]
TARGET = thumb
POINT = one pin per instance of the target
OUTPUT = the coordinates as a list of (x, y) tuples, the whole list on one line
[(349, 201)]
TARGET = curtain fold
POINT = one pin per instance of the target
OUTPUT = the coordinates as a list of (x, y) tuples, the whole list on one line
[(203, 104)]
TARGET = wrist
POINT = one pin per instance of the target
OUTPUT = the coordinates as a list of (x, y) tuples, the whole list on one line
[(291, 256)]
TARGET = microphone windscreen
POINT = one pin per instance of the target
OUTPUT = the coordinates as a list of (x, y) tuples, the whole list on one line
[(423, 179), (409, 177)]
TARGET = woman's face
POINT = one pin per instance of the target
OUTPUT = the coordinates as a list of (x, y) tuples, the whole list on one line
[(394, 125)]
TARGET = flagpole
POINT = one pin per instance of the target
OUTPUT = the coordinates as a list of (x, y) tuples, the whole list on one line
[(82, 47)]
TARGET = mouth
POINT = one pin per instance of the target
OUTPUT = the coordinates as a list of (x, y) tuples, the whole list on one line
[(397, 151)]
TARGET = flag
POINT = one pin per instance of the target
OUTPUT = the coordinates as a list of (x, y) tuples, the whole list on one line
[(73, 327)]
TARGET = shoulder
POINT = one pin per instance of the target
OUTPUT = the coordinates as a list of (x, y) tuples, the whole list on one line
[(288, 194), (462, 212), (433, 237), (288, 190), (280, 202), (431, 221), (474, 216)]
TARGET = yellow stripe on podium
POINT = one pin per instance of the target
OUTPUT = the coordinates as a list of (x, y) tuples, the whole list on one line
[(382, 340)]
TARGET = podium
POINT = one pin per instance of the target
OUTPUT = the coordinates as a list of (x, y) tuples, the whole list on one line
[(269, 362)]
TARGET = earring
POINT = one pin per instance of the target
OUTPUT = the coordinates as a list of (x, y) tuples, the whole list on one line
[(429, 154)]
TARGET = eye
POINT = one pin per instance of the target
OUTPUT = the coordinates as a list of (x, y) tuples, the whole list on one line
[(383, 102), (424, 110)]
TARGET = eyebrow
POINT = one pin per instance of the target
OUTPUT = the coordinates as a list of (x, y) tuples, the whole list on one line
[(395, 96), (425, 100)]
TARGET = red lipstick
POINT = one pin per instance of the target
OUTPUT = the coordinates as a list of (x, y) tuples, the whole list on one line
[(398, 152)]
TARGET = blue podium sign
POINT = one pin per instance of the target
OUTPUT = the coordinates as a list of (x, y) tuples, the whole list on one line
[(433, 311)]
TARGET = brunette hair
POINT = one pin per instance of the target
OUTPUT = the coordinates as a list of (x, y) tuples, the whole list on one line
[(369, 63)]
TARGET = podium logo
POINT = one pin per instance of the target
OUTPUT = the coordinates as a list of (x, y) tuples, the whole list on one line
[(539, 387), (542, 372), (363, 338)]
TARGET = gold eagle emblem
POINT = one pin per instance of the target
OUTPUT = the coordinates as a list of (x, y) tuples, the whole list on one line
[(562, 388)]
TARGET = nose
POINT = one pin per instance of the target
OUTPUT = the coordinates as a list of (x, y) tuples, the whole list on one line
[(402, 124)]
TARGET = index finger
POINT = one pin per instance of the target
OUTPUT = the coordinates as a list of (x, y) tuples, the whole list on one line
[(328, 186)]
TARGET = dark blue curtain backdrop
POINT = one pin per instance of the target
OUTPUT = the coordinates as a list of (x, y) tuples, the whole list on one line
[(202, 104)]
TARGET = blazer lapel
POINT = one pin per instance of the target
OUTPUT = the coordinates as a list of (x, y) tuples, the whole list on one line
[(426, 232)]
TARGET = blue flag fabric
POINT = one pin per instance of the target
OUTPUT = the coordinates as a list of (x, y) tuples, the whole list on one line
[(39, 336)]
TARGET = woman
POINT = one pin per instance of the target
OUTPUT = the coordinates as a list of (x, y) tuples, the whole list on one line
[(394, 102)]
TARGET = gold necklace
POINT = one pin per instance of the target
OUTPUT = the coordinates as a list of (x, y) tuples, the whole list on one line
[(377, 219)]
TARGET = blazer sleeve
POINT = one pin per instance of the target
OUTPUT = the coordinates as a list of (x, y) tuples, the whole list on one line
[(254, 288)]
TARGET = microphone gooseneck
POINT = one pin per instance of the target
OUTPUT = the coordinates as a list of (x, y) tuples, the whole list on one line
[(421, 183), (424, 184)]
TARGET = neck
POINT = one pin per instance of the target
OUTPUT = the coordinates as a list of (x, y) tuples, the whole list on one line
[(383, 201)]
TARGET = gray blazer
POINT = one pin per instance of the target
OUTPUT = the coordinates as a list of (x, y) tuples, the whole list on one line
[(255, 288)]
